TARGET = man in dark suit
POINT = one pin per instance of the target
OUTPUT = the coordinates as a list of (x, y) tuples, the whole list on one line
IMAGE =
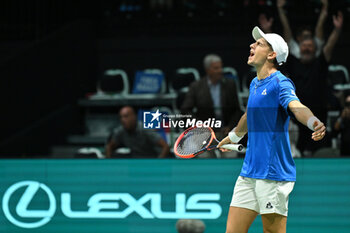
[(214, 96)]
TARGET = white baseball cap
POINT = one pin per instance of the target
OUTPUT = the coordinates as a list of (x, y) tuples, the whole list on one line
[(276, 41)]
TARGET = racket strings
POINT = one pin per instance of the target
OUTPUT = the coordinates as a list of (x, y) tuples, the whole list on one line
[(194, 141)]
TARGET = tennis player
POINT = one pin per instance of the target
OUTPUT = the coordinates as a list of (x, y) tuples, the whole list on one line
[(268, 173)]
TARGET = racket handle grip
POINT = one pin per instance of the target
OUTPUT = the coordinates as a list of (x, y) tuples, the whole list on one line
[(235, 147)]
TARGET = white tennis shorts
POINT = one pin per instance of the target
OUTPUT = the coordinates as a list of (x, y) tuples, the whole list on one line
[(262, 196)]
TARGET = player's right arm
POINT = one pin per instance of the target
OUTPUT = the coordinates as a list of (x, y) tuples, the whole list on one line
[(239, 131)]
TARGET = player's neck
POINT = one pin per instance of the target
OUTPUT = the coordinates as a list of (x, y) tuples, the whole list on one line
[(265, 71)]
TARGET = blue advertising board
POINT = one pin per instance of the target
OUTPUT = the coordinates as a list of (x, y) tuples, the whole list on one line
[(149, 196)]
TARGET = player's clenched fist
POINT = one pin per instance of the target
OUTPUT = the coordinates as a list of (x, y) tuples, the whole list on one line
[(320, 131)]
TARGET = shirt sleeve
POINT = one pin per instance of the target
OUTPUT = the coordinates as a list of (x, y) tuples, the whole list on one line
[(287, 93)]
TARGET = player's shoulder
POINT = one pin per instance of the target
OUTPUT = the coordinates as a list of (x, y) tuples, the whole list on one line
[(283, 81), (279, 76), (254, 81)]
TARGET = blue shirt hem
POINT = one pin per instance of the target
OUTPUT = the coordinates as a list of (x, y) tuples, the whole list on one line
[(268, 177)]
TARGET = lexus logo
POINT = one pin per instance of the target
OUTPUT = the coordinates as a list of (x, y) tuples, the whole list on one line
[(101, 205), (22, 205)]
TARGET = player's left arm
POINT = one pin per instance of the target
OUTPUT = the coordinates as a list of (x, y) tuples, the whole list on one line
[(304, 115)]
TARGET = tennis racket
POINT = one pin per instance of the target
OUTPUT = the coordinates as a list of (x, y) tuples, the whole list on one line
[(194, 141)]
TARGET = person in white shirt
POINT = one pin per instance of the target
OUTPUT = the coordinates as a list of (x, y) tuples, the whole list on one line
[(303, 32)]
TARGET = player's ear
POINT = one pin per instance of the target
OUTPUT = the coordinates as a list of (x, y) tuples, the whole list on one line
[(272, 55)]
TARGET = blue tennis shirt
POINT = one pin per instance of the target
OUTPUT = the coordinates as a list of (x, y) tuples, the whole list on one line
[(268, 154)]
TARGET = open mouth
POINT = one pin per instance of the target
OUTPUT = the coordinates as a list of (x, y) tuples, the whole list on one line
[(251, 54)]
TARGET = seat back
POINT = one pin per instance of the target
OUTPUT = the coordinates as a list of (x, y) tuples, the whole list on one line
[(339, 77), (180, 83), (113, 81), (149, 81), (89, 153), (182, 79)]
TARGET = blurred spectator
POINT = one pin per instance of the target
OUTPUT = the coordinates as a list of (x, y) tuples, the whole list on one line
[(303, 32), (342, 125), (214, 96), (309, 73), (131, 134), (265, 22), (190, 226)]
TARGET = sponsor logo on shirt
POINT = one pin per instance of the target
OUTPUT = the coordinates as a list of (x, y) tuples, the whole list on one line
[(264, 92)]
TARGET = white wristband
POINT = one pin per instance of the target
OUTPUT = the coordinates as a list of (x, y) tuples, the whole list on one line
[(234, 137), (311, 121)]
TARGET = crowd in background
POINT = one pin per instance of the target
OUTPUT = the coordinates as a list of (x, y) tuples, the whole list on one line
[(216, 96)]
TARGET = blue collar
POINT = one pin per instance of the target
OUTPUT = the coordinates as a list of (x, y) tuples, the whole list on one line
[(268, 78)]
